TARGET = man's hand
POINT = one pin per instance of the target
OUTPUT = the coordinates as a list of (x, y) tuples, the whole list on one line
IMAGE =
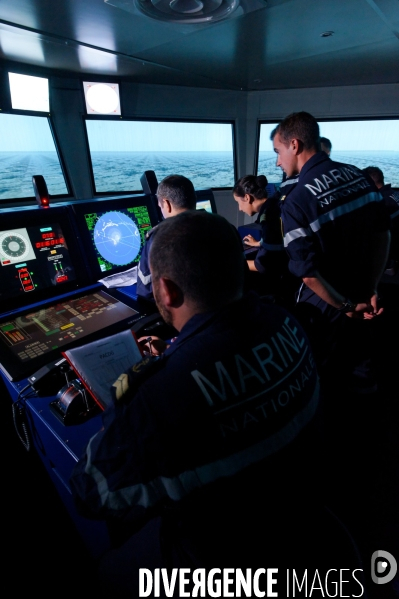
[(152, 346), (363, 310), (367, 311)]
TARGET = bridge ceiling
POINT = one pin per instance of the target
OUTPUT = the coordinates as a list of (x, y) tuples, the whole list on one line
[(262, 45)]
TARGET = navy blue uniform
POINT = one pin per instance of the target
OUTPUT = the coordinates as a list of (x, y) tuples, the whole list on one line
[(287, 185), (214, 440), (391, 201), (144, 283), (329, 219), (144, 279), (271, 258)]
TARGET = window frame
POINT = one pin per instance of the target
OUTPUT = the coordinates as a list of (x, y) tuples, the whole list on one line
[(260, 123), (90, 117), (322, 120), (28, 200)]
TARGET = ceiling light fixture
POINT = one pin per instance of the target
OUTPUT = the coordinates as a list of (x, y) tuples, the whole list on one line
[(188, 11)]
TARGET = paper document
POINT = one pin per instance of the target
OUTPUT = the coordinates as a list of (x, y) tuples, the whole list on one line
[(121, 279), (99, 363)]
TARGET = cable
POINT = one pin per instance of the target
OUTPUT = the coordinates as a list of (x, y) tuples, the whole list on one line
[(20, 419)]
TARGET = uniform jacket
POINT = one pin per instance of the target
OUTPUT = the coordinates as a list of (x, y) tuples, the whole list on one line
[(321, 218), (391, 201), (221, 424), (271, 257), (144, 283)]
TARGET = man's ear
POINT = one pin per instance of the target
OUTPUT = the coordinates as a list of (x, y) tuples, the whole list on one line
[(167, 206), (297, 146), (171, 293)]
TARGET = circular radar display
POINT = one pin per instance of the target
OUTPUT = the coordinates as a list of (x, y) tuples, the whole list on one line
[(117, 238), (14, 245)]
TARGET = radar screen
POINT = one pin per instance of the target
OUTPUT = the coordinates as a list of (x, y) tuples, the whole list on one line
[(117, 237), (113, 232)]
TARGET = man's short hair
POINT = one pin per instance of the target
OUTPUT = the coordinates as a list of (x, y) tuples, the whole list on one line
[(302, 126), (273, 132), (375, 173), (179, 191), (202, 254), (324, 141)]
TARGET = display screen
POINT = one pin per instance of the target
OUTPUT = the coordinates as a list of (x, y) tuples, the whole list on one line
[(363, 143), (206, 200), (118, 235), (30, 339), (122, 150), (204, 205), (27, 148), (33, 259), (39, 256), (113, 233)]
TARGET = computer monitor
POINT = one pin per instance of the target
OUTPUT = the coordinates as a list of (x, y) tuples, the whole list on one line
[(206, 200), (39, 256), (113, 231), (32, 338)]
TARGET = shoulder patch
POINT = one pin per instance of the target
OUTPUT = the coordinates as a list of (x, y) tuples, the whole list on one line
[(150, 232), (127, 383)]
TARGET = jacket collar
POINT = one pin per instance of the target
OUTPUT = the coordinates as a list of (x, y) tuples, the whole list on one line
[(316, 159)]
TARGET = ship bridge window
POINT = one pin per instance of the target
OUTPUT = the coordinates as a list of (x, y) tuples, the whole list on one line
[(27, 148), (266, 155), (121, 150), (361, 142)]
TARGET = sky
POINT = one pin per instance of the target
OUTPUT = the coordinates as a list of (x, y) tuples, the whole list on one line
[(25, 133), (161, 136), (374, 136), (30, 133)]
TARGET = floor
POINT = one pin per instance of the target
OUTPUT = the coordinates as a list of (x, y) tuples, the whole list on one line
[(364, 452), (44, 552)]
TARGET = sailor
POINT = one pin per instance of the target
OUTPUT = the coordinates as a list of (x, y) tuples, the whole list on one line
[(175, 194), (271, 260), (200, 460), (391, 201), (336, 234)]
